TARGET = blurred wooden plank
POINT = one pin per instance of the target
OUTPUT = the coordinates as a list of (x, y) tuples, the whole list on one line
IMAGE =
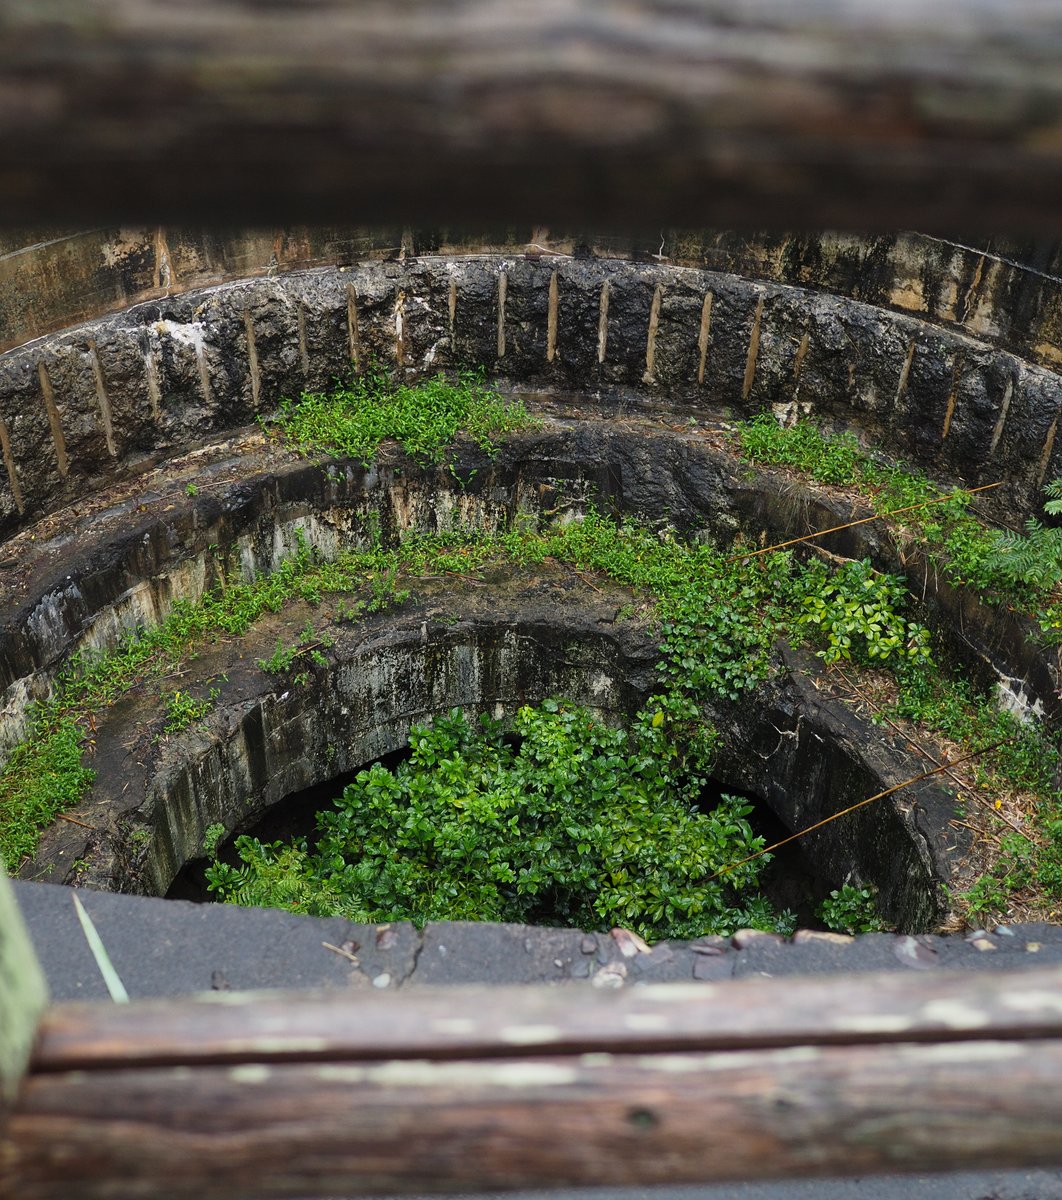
[(474, 1089), (415, 1127), (453, 1023), (23, 996), (629, 113)]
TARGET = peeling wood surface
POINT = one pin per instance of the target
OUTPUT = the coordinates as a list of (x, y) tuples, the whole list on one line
[(234, 1096), (229, 1027), (595, 1119), (640, 113)]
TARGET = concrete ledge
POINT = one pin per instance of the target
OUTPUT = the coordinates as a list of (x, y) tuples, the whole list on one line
[(174, 948)]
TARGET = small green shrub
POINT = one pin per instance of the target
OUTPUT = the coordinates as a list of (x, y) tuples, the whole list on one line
[(803, 446), (852, 910), (42, 777), (958, 544), (1035, 557), (424, 417), (213, 836), (386, 593), (183, 709), (306, 645), (857, 611)]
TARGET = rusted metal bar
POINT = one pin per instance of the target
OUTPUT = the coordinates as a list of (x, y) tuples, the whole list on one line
[(884, 516), (968, 788), (937, 770), (238, 1096), (635, 113)]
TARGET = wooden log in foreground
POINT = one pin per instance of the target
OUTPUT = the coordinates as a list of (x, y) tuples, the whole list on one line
[(23, 996), (474, 1089), (631, 113)]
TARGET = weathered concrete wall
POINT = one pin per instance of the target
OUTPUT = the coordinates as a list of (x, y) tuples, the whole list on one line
[(79, 408), (1003, 292)]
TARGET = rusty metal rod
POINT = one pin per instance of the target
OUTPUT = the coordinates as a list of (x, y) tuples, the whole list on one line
[(807, 537), (945, 766)]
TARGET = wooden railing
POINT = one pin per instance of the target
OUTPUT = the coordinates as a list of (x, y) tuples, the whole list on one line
[(631, 113), (287, 1095)]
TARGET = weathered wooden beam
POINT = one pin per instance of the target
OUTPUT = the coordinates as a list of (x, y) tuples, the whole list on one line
[(419, 1127), (633, 113), (229, 1027), (23, 996), (513, 1088)]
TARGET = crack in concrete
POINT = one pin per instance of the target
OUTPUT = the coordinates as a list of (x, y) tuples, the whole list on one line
[(418, 949)]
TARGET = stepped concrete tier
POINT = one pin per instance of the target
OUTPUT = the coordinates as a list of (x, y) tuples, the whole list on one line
[(486, 645)]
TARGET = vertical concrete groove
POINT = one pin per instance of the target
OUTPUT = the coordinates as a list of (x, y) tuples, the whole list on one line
[(953, 397), (905, 371), (551, 318), (400, 328), (503, 285), (204, 370), (1049, 445), (165, 275), (252, 359), (353, 329), (970, 299), (602, 322), (704, 335), (101, 397), (451, 308), (48, 395), (754, 350), (1004, 409), (9, 463), (654, 325), (304, 354), (798, 358), (949, 412), (152, 376)]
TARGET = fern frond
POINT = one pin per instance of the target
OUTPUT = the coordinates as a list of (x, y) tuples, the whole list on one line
[(1054, 490), (1034, 557)]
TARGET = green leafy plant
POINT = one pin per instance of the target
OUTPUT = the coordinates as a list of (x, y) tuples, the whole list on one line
[(1035, 557), (856, 610), (184, 709), (385, 592), (307, 645), (213, 836), (829, 458), (424, 417), (850, 909), (957, 543), (42, 776), (560, 819)]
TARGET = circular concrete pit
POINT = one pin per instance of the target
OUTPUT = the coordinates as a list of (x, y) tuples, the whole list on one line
[(137, 478)]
